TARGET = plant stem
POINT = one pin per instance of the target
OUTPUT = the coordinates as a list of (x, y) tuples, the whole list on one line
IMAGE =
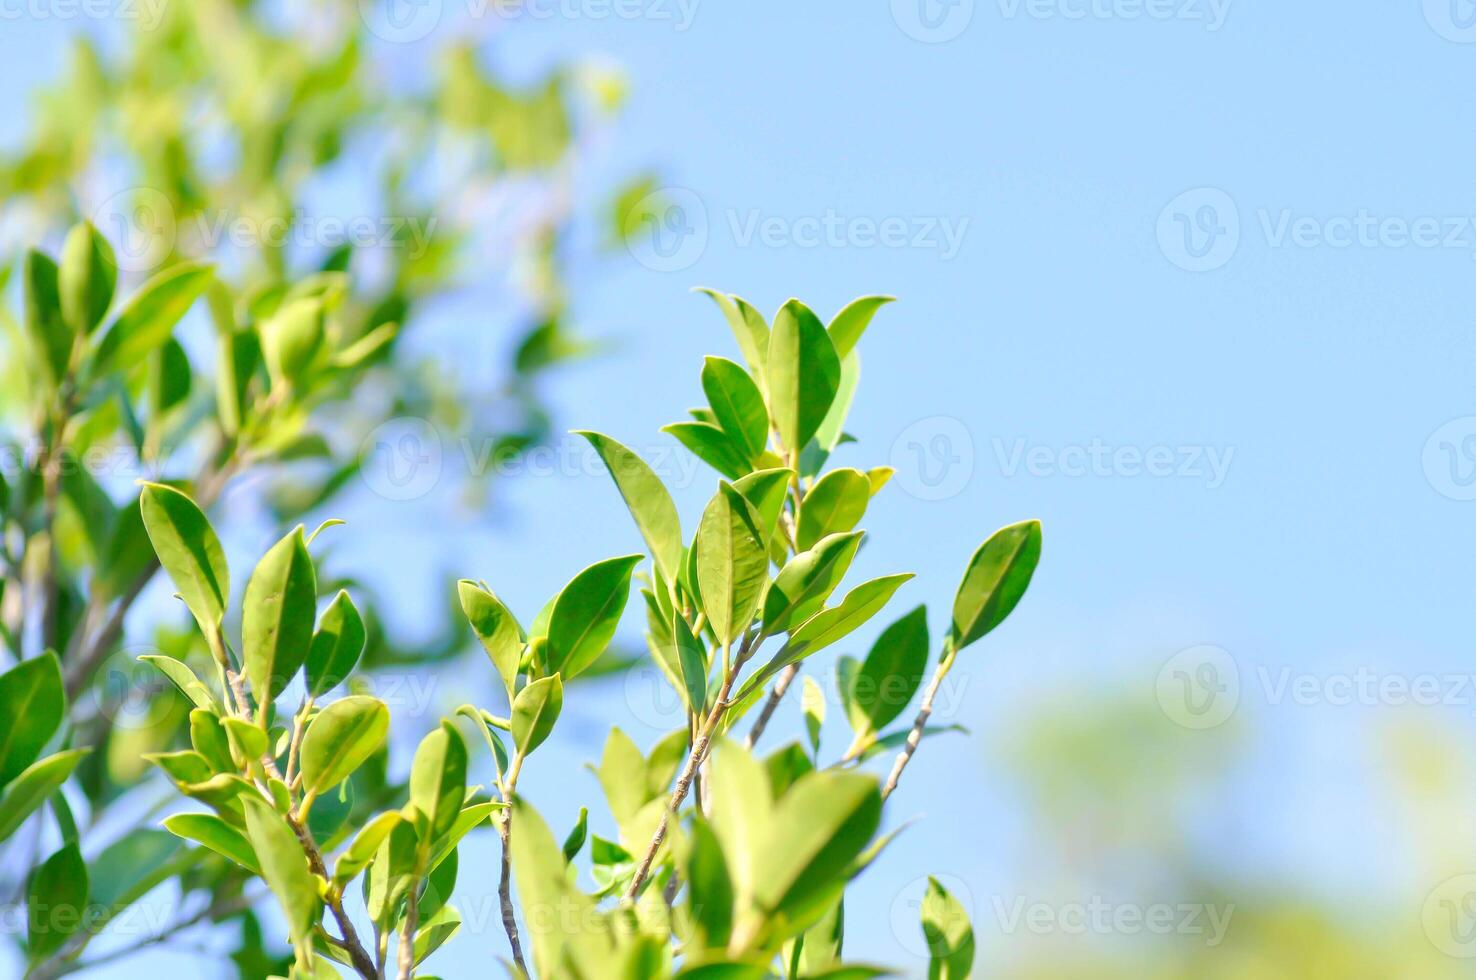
[(945, 662), (504, 885), (412, 919), (689, 771), (770, 704)]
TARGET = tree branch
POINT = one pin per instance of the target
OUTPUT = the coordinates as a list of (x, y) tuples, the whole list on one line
[(770, 704)]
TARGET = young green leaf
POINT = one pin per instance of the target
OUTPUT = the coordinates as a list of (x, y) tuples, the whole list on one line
[(214, 833), (56, 901), (148, 319), (89, 274), (48, 330), (747, 324), (828, 626), (711, 445), (732, 563), (208, 737), (535, 710), (361, 850), (586, 613), (336, 646), (741, 813), (292, 338), (950, 937), (997, 577), (284, 866), (803, 374), (438, 781), (884, 685), (31, 788), (189, 552), (32, 701), (806, 581), (834, 505), (709, 886), (496, 628), (764, 490), (692, 660), (850, 323), (832, 430), (183, 678), (737, 404), (647, 499), (277, 615), (339, 739)]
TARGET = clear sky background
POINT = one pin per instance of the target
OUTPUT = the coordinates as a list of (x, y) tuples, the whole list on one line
[(1238, 244)]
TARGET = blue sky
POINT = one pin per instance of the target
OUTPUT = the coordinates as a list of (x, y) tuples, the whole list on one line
[(1193, 289)]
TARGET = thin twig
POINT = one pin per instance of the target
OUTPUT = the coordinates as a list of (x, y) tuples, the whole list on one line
[(915, 735), (770, 704), (508, 786), (689, 770)]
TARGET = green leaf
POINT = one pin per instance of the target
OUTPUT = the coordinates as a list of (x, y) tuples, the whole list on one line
[(48, 330), (647, 499), (535, 710), (692, 660), (850, 323), (436, 931), (336, 646), (539, 874), (764, 490), (364, 846), (32, 690), (622, 776), (277, 615), (806, 581), (812, 703), (31, 788), (709, 886), (250, 741), (741, 812), (183, 678), (149, 318), (891, 674), (438, 781), (830, 625), (997, 577), (89, 274), (292, 338), (586, 613), (208, 737), (574, 843), (182, 767), (732, 563), (214, 833), (950, 937), (737, 404), (711, 445), (56, 902), (341, 738), (496, 628), (834, 505), (747, 324), (819, 826), (803, 374), (189, 552), (284, 867)]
